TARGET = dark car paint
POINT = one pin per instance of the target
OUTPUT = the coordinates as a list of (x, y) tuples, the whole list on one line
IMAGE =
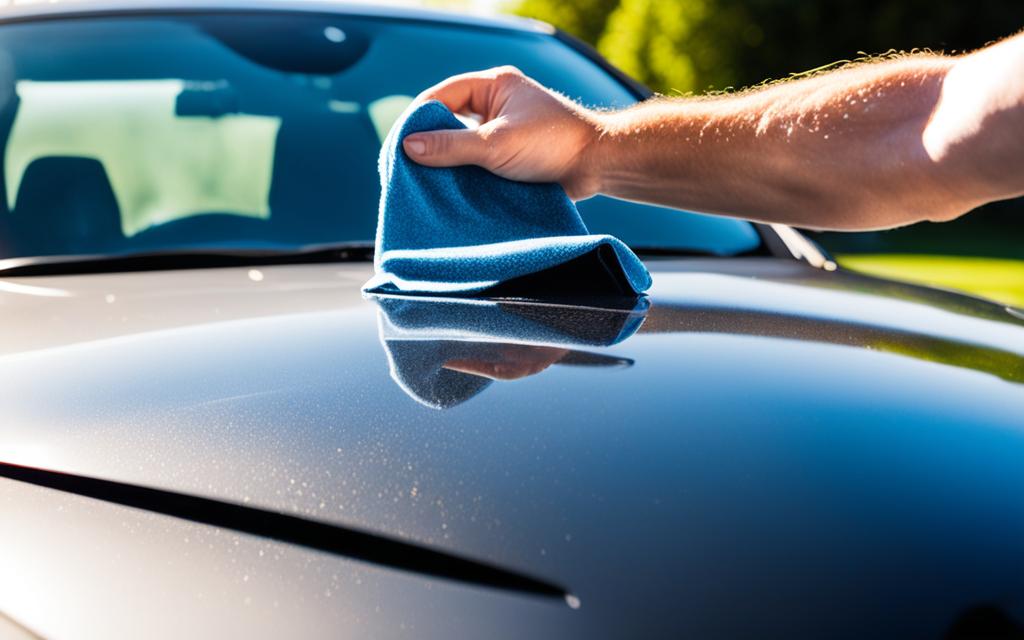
[(790, 453), (779, 451)]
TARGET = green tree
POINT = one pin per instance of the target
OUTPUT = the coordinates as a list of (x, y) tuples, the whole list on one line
[(698, 45), (674, 46), (584, 19)]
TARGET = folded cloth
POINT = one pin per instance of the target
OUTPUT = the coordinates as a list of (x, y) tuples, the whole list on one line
[(423, 335), (464, 230)]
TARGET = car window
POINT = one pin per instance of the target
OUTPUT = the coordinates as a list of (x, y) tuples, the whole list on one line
[(123, 134)]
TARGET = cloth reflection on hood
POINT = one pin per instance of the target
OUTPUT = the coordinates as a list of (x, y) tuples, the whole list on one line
[(427, 339)]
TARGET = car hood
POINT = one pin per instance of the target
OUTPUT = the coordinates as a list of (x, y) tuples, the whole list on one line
[(758, 448)]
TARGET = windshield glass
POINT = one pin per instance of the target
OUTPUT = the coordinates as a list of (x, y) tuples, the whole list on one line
[(153, 133)]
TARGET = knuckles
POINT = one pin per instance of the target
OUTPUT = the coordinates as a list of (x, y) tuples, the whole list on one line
[(439, 144), (506, 75), (507, 71)]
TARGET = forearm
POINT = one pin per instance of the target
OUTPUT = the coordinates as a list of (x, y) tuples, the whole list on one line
[(853, 149), (871, 146)]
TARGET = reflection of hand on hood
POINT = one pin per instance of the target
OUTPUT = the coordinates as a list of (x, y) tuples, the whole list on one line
[(443, 352), (515, 361)]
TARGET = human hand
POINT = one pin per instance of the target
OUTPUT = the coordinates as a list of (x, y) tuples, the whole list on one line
[(514, 362), (527, 133)]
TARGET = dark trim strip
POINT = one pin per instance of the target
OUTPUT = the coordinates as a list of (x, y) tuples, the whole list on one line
[(337, 540)]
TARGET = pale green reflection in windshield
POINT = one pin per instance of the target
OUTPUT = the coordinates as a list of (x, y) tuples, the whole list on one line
[(385, 111), (161, 166)]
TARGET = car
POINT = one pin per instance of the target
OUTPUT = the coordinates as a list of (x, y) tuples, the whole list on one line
[(209, 431)]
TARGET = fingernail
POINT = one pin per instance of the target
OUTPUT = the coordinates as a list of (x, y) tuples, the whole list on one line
[(415, 146)]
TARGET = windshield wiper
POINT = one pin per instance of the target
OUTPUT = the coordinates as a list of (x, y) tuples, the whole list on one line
[(197, 258), (213, 257)]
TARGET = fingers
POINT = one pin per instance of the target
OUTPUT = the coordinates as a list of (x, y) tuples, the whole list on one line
[(474, 92), (493, 370), (467, 92), (480, 92), (518, 361), (448, 148)]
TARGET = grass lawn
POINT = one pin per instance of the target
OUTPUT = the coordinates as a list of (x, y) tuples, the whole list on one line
[(994, 278)]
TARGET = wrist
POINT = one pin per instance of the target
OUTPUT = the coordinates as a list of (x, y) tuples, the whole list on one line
[(591, 160), (609, 151)]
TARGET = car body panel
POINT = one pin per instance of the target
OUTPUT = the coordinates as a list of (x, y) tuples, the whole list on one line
[(778, 451), (732, 481)]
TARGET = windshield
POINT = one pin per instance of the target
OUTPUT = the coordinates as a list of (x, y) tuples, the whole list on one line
[(162, 133)]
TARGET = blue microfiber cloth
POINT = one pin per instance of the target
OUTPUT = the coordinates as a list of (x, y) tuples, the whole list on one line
[(467, 231), (422, 334)]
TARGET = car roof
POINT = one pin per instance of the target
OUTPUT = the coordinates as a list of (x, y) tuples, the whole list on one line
[(18, 11)]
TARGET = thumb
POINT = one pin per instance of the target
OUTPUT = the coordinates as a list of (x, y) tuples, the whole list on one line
[(449, 148)]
